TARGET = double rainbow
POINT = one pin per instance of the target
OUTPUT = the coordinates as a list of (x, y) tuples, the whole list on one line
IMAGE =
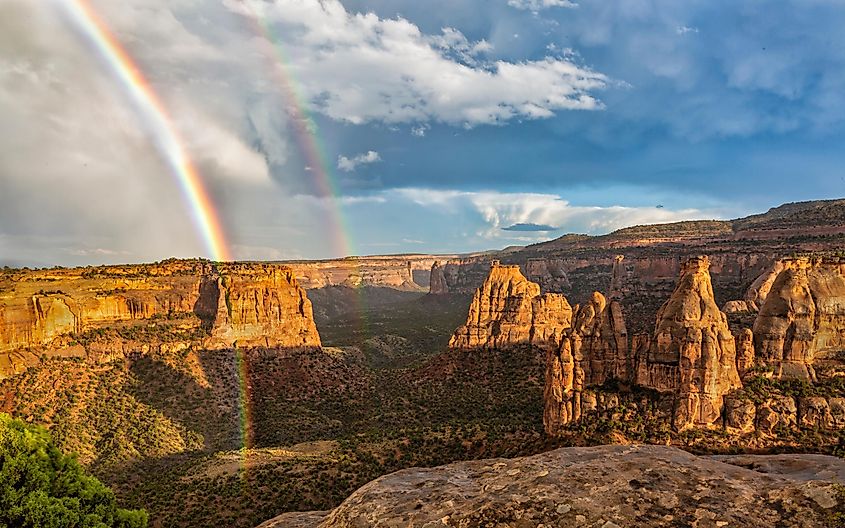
[(171, 146)]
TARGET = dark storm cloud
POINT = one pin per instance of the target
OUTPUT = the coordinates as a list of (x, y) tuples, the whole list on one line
[(530, 228)]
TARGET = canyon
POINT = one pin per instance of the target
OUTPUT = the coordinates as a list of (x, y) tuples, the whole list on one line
[(291, 385), (740, 251)]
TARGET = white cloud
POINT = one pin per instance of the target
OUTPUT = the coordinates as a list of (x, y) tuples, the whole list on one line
[(536, 5), (500, 209), (360, 68), (419, 131), (683, 30), (350, 164)]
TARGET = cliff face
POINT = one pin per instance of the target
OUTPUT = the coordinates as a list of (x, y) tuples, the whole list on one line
[(262, 306), (740, 251), (508, 309), (39, 306), (593, 351), (437, 280), (802, 321), (237, 304), (693, 353), (402, 272)]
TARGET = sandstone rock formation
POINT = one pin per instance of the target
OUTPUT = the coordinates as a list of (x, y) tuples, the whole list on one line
[(740, 251), (693, 352), (509, 310), (592, 352), (262, 306), (739, 307), (744, 351), (437, 281), (238, 304), (401, 272), (762, 285), (802, 321), (608, 486)]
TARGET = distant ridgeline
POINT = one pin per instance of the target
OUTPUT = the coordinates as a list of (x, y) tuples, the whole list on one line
[(739, 251), (104, 312), (780, 363)]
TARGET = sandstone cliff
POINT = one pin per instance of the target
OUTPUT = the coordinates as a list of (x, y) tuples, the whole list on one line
[(49, 311), (508, 310), (262, 306), (607, 487), (437, 280), (693, 353), (402, 272), (593, 351), (740, 252), (802, 321)]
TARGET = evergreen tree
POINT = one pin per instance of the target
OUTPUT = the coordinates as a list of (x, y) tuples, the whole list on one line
[(40, 487)]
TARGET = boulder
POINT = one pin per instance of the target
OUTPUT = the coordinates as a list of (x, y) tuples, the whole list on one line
[(740, 415), (814, 413), (776, 412)]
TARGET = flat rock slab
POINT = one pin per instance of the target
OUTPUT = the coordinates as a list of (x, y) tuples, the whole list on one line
[(601, 487), (796, 467)]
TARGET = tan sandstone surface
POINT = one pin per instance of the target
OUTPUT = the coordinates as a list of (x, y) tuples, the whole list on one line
[(802, 318), (50, 311), (607, 487), (508, 309)]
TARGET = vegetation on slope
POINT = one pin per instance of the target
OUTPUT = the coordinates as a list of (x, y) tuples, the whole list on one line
[(42, 488)]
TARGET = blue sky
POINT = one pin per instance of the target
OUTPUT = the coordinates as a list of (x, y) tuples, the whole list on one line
[(443, 122)]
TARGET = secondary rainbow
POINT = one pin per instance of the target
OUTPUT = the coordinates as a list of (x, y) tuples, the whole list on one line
[(317, 166), (305, 129), (155, 115)]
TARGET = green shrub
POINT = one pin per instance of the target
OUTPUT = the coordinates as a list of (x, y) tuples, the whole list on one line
[(42, 488)]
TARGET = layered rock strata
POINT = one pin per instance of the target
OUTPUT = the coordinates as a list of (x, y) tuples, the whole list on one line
[(402, 272), (237, 304), (508, 310), (801, 323)]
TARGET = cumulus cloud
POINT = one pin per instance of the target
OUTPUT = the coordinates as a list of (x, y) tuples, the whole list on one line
[(84, 176), (536, 5), (502, 211), (361, 68), (350, 164)]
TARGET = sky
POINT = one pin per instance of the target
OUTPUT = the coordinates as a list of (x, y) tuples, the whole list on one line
[(325, 128)]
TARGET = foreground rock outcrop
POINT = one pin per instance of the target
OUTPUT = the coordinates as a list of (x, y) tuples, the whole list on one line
[(228, 304), (607, 486)]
